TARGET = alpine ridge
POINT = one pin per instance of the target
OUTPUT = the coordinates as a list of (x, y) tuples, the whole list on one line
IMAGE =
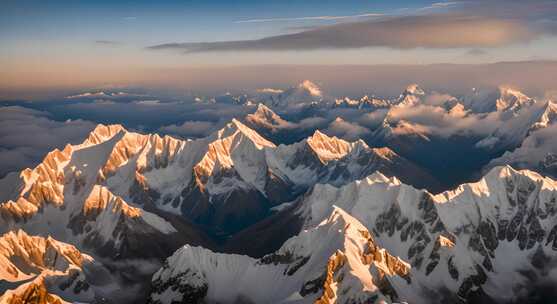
[(486, 241), (120, 192), (336, 261)]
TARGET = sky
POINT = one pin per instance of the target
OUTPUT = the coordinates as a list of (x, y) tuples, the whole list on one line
[(56, 44)]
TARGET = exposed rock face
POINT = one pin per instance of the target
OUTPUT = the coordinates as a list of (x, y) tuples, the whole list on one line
[(42, 270), (481, 239), (335, 262), (222, 183), (31, 293)]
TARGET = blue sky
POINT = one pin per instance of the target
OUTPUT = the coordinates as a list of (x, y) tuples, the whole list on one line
[(148, 22)]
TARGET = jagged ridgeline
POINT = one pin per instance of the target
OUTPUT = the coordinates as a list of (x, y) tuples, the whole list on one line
[(119, 186), (492, 241), (321, 220)]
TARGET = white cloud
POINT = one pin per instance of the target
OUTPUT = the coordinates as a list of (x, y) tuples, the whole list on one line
[(190, 129), (347, 130), (26, 135), (309, 18)]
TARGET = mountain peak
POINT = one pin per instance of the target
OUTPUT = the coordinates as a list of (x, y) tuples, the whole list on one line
[(319, 136), (327, 147), (263, 110), (512, 99), (547, 116), (411, 96), (509, 91), (414, 89), (338, 215), (235, 126), (266, 117), (378, 177), (102, 133), (498, 172)]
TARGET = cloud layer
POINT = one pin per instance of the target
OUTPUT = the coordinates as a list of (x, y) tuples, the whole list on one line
[(403, 32), (26, 135)]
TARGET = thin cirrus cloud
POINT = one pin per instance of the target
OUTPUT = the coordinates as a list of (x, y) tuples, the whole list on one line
[(310, 18), (402, 32), (439, 5), (107, 42)]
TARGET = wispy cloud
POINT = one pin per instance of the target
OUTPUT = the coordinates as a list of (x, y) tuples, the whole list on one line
[(107, 42), (130, 18), (401, 32), (310, 18), (440, 5)]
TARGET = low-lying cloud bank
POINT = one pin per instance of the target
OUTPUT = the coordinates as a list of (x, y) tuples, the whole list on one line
[(30, 129), (26, 135)]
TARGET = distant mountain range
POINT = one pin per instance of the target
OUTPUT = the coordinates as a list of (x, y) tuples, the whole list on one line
[(429, 128)]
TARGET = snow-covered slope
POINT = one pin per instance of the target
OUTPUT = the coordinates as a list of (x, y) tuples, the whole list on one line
[(73, 194), (482, 239), (410, 97), (325, 159), (337, 261), (493, 240), (33, 268), (267, 119), (237, 172), (118, 186)]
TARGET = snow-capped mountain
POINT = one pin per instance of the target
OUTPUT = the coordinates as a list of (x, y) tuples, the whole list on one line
[(304, 94), (479, 239), (265, 118), (493, 240), (33, 267), (130, 200), (239, 173), (325, 159), (336, 261), (275, 128), (410, 97), (365, 102), (501, 100), (538, 148), (118, 186), (74, 196), (519, 122)]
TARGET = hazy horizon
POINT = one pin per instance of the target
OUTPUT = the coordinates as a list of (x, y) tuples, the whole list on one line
[(64, 45), (384, 80)]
